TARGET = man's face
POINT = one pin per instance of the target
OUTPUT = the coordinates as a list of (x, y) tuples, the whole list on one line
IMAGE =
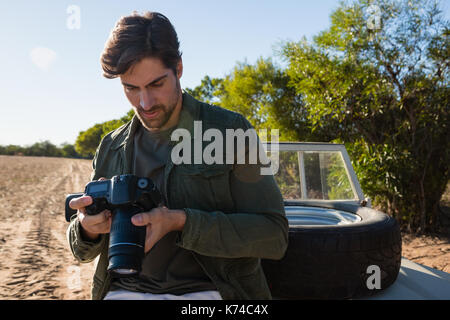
[(154, 92)]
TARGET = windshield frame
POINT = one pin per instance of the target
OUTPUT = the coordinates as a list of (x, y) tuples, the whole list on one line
[(319, 147)]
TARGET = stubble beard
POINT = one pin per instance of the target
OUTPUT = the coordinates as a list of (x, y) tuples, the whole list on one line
[(166, 112)]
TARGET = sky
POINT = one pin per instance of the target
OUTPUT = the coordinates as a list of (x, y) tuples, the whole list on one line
[(51, 83)]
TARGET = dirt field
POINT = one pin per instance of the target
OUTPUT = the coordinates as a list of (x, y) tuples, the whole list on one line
[(35, 260)]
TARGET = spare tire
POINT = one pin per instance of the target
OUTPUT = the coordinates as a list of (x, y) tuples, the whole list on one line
[(331, 248)]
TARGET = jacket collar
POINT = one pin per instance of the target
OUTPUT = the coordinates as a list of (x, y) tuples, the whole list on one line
[(122, 136), (189, 113)]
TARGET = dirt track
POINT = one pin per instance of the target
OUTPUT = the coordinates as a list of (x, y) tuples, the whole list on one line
[(35, 260)]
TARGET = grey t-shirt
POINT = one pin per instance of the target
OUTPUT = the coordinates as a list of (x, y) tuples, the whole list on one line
[(166, 268)]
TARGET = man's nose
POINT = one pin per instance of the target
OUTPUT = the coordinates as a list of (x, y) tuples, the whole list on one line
[(146, 100)]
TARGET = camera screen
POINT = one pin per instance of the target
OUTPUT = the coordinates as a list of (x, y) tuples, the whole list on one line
[(98, 187)]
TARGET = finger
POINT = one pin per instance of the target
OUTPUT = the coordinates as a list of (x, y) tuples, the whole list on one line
[(144, 218), (99, 218), (149, 243), (139, 220), (101, 227), (107, 215), (155, 215), (81, 202), (148, 246), (104, 227)]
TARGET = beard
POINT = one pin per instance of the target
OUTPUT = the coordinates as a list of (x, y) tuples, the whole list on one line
[(165, 112)]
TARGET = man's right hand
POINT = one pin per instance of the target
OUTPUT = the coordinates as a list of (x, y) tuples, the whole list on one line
[(92, 225)]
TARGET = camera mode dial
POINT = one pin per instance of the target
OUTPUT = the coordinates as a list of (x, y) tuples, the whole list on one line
[(142, 183)]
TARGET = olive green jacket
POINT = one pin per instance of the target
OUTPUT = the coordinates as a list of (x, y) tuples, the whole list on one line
[(234, 215)]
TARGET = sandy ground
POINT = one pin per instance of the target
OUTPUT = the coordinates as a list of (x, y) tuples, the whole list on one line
[(431, 251), (35, 259)]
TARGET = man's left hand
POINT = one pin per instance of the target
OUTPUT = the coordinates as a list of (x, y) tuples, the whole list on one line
[(159, 222)]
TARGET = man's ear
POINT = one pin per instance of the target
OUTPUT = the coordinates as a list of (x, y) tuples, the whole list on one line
[(179, 68)]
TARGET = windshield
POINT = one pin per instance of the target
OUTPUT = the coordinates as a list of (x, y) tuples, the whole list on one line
[(318, 175)]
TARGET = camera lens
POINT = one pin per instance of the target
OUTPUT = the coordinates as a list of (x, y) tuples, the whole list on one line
[(126, 272), (126, 243)]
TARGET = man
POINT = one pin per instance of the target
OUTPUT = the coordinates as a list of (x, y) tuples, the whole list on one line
[(217, 221)]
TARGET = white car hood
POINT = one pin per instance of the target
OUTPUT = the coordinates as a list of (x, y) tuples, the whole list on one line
[(416, 282)]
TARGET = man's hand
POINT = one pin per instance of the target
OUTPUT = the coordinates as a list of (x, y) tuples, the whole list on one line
[(92, 225), (159, 222)]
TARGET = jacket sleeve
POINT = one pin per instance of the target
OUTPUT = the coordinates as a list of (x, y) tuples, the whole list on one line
[(86, 251), (257, 228)]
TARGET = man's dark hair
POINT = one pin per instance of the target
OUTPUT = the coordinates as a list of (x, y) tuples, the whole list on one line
[(140, 36)]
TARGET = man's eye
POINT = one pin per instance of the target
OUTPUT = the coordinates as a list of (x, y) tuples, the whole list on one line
[(130, 88), (157, 84)]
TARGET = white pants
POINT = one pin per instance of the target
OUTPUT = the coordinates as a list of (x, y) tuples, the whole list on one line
[(131, 295)]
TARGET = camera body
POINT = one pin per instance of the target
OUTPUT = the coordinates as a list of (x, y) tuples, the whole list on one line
[(125, 196), (123, 190)]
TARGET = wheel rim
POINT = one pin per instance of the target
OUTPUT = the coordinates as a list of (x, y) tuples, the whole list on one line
[(313, 216)]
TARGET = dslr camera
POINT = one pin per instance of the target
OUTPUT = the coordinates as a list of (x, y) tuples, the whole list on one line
[(125, 196)]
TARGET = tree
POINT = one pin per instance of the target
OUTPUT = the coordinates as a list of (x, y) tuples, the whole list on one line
[(263, 94), (385, 85), (42, 149), (68, 151), (208, 91), (12, 150), (88, 141)]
